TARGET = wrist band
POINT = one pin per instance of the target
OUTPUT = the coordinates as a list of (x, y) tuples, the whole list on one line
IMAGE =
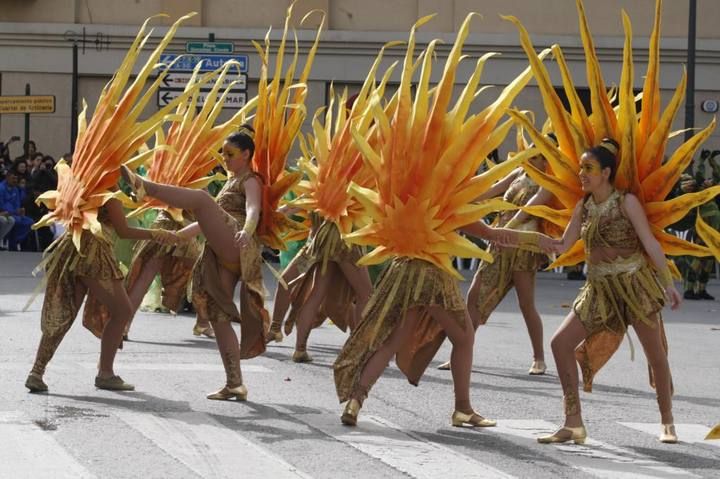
[(665, 277), (250, 225)]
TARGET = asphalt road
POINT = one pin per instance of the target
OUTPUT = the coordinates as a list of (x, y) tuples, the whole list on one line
[(290, 425)]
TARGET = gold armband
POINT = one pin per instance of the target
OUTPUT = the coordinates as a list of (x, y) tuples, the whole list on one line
[(250, 225), (665, 277)]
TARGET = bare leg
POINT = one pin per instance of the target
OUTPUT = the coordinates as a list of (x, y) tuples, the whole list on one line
[(462, 338), (210, 216), (112, 295), (139, 288), (359, 280), (564, 342), (309, 311), (226, 338), (377, 363), (652, 344), (525, 290)]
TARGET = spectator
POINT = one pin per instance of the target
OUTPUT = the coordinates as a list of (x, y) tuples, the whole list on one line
[(6, 224), (29, 150), (21, 168), (11, 200)]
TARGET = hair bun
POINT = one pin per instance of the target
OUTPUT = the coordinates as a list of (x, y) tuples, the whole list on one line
[(610, 145)]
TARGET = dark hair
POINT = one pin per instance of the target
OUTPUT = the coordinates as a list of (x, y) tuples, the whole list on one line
[(605, 155), (243, 138)]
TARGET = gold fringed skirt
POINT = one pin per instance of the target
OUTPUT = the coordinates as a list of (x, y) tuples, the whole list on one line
[(64, 266), (407, 283), (213, 302), (615, 296), (316, 259), (176, 266), (495, 279)]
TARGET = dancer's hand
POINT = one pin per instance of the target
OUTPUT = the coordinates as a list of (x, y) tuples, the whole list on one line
[(673, 296), (242, 239), (166, 237)]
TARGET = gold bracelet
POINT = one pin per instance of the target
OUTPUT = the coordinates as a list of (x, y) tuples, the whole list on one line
[(250, 225), (529, 241), (665, 277)]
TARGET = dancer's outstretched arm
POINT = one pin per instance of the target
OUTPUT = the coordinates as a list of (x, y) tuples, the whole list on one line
[(120, 224)]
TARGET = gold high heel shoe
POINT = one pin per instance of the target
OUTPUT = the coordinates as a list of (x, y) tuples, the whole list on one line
[(668, 435), (225, 394), (460, 419), (274, 334), (538, 368), (206, 331), (301, 357), (350, 413), (134, 182), (444, 366), (565, 434)]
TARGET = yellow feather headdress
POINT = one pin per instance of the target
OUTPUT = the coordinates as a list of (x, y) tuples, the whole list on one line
[(113, 135), (424, 160), (643, 138)]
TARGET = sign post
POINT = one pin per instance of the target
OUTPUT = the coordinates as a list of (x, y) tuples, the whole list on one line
[(181, 72)]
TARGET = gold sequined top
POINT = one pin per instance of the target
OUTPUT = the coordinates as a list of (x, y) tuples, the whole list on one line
[(231, 197), (607, 231), (519, 193)]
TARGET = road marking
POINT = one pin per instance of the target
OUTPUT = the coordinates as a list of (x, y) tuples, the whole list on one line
[(594, 457), (24, 442), (401, 450), (693, 433), (209, 448)]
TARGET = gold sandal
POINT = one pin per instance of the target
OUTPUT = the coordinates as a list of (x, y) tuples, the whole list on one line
[(668, 435), (350, 413), (35, 383), (206, 331), (538, 368), (301, 357), (460, 419), (225, 394), (565, 434)]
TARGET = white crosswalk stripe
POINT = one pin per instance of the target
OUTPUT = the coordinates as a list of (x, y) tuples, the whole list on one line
[(595, 458), (402, 450), (137, 366), (209, 448), (25, 442), (693, 433)]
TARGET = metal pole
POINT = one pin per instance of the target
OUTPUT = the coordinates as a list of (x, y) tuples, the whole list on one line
[(74, 99), (690, 94), (27, 122)]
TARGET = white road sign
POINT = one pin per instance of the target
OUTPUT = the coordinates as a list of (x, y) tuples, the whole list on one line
[(234, 99), (176, 80)]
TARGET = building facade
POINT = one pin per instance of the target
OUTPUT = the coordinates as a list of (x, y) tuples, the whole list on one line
[(36, 38)]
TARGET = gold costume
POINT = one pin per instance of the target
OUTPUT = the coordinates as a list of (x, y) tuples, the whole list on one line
[(64, 266), (211, 300), (621, 288), (323, 247), (495, 279), (407, 283), (177, 262)]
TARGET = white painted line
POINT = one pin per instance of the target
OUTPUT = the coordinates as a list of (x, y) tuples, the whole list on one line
[(29, 452), (209, 448), (594, 457), (694, 433), (131, 366), (401, 450)]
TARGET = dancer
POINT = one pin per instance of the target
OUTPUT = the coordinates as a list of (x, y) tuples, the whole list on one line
[(511, 267), (327, 261), (232, 253), (617, 205), (183, 161), (423, 159), (88, 205)]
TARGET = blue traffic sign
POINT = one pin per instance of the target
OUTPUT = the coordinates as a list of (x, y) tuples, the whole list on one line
[(210, 62)]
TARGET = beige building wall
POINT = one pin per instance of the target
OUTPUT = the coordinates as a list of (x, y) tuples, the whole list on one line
[(33, 46)]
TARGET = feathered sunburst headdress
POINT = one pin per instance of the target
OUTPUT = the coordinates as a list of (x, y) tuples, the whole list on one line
[(331, 157), (113, 135), (424, 159), (280, 113), (189, 150), (643, 138)]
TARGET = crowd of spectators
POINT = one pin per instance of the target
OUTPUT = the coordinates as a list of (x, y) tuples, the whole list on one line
[(22, 180)]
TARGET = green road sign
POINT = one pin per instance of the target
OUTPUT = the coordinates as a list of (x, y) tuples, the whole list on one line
[(209, 47)]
